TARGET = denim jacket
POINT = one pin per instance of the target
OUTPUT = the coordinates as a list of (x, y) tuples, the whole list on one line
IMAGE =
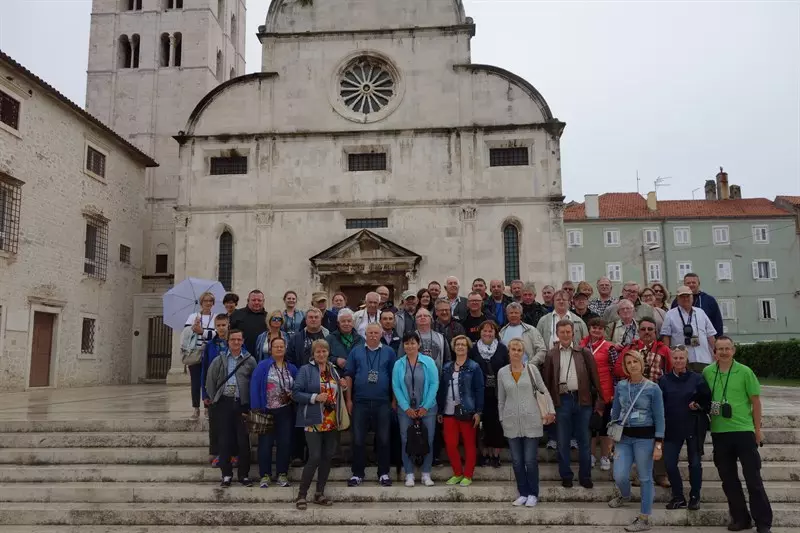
[(470, 386), (649, 405)]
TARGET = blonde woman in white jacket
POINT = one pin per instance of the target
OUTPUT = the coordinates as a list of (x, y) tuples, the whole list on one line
[(523, 423)]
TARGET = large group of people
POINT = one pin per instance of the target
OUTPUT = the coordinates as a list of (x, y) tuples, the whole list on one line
[(626, 381)]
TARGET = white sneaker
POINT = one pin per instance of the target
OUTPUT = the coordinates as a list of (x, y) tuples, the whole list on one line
[(531, 501), (552, 445), (573, 444), (426, 480), (409, 480), (594, 461), (605, 463), (520, 501)]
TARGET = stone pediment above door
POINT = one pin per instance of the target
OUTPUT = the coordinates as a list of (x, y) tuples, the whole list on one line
[(365, 252)]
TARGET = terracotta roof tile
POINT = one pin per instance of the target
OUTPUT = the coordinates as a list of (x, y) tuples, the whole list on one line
[(633, 206), (793, 200)]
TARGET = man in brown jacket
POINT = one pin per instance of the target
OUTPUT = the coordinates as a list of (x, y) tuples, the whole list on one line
[(570, 375)]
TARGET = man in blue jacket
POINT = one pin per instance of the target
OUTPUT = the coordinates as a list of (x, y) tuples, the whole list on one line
[(704, 301), (369, 397)]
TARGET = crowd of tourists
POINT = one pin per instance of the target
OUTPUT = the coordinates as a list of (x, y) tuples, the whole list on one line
[(627, 382)]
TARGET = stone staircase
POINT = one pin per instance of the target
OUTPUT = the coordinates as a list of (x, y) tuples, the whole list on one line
[(151, 475)]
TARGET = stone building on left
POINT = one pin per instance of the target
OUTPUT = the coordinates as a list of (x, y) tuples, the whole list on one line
[(71, 212)]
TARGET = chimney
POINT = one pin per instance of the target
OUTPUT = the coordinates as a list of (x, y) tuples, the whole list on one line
[(592, 205), (711, 190), (723, 192), (652, 201), (736, 192)]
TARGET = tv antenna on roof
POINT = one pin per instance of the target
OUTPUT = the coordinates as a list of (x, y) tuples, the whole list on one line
[(661, 182)]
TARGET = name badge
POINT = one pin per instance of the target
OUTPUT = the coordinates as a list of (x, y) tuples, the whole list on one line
[(372, 376), (635, 415), (491, 381)]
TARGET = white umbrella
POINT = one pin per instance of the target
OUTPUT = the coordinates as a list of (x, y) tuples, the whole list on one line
[(184, 299)]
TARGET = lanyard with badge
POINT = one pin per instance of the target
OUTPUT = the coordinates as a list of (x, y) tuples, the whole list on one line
[(413, 382), (634, 413), (372, 375), (722, 408)]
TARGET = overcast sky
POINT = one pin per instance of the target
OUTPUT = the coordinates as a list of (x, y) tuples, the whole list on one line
[(663, 88)]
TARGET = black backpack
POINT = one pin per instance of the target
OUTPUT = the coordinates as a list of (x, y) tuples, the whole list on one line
[(417, 442)]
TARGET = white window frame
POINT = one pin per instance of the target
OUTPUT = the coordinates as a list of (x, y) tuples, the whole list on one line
[(9, 91), (772, 308), (614, 279), (578, 238), (727, 233), (85, 160), (772, 269), (612, 231), (688, 231), (729, 268), (580, 272), (727, 304), (656, 241), (650, 277), (681, 273), (756, 230)]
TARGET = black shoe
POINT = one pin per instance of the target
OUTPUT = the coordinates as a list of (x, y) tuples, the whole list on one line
[(566, 483), (226, 483), (587, 484), (496, 462), (437, 462), (734, 526), (677, 503), (763, 529), (482, 460), (694, 503), (246, 482)]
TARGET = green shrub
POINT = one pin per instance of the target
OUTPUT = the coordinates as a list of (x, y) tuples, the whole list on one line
[(779, 359)]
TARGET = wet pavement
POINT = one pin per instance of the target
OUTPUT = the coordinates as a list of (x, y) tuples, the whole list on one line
[(174, 402)]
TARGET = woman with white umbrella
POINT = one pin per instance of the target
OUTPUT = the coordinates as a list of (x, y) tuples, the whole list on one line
[(202, 324)]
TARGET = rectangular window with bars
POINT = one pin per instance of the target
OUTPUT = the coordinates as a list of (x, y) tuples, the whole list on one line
[(9, 110), (124, 254), (10, 202), (95, 161), (366, 223), (87, 336), (508, 157), (162, 263), (366, 162), (95, 263), (228, 165)]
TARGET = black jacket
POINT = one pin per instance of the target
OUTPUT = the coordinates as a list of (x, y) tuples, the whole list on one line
[(252, 325), (489, 310), (532, 313), (450, 330), (680, 421)]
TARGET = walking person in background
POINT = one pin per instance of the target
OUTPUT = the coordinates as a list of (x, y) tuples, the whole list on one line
[(202, 325), (460, 401), (228, 386), (292, 317), (271, 392), (522, 420), (687, 399), (736, 416), (318, 391), (491, 355), (415, 382), (639, 408), (274, 331)]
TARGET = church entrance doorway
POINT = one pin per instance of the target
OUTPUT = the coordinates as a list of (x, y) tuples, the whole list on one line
[(356, 293)]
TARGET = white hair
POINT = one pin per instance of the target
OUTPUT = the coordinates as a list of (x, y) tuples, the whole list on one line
[(344, 312)]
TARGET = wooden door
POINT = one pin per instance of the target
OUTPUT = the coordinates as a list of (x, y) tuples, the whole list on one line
[(42, 349)]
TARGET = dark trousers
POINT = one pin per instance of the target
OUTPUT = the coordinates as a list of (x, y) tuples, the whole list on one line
[(213, 435), (232, 433), (672, 450), (321, 447), (742, 446), (194, 376), (573, 420), (378, 416), (281, 438)]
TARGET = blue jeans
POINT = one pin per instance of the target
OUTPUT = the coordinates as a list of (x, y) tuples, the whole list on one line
[(627, 451), (525, 460), (573, 420), (429, 421), (281, 438), (672, 450), (378, 415)]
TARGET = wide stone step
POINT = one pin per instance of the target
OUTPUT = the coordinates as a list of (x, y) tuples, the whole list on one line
[(550, 491), (774, 471), (376, 514), (356, 529), (199, 455)]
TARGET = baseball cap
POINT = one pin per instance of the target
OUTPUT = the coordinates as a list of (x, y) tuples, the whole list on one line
[(318, 297), (684, 290), (408, 294)]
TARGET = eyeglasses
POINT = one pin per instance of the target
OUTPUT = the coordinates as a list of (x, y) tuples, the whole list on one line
[(680, 347), (658, 291), (276, 319), (569, 290), (647, 329)]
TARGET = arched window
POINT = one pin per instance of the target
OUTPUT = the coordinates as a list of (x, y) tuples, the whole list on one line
[(178, 49), (219, 66), (135, 50), (234, 33), (226, 259), (511, 252), (164, 50), (124, 52)]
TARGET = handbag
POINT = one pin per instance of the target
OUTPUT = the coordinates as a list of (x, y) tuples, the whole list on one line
[(342, 416), (539, 396), (260, 422), (615, 428), (192, 348), (417, 446)]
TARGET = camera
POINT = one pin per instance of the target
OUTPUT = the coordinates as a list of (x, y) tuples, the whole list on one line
[(688, 333), (726, 410)]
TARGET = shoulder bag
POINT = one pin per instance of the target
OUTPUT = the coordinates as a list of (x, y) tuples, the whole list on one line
[(539, 396), (615, 428)]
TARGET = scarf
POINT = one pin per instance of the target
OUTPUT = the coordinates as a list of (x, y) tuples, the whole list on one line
[(348, 340), (487, 350)]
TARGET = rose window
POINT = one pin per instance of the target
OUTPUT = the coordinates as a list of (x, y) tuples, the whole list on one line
[(366, 86)]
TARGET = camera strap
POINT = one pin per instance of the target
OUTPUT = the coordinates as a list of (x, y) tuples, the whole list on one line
[(680, 314), (725, 388)]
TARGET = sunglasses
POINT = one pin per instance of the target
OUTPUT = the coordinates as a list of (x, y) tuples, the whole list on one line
[(658, 291), (276, 319), (647, 329)]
